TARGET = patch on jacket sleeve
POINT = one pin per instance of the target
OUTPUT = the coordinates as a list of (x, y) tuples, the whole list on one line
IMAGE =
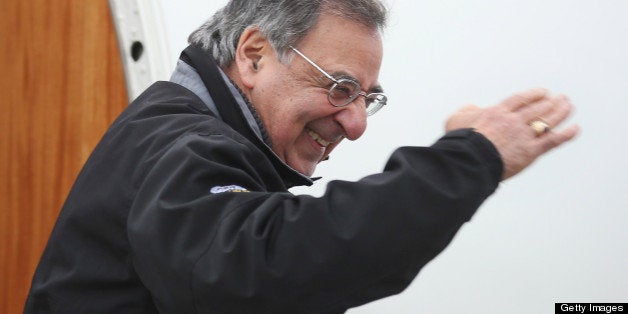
[(228, 188)]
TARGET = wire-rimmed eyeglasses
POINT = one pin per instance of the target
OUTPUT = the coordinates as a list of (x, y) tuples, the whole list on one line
[(344, 91)]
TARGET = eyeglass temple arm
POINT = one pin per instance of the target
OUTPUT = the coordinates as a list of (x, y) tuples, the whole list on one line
[(314, 64)]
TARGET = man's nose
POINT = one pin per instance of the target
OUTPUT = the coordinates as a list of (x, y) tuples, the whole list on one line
[(352, 118)]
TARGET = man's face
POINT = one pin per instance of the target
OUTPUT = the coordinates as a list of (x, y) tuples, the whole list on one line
[(292, 98)]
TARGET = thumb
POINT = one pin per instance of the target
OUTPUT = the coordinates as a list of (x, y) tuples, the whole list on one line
[(463, 118)]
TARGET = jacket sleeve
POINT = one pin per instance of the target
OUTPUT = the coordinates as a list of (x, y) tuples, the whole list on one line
[(274, 252)]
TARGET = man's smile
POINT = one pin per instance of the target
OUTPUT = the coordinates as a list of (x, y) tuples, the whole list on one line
[(315, 136)]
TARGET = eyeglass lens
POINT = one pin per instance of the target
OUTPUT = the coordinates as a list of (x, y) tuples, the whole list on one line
[(345, 91)]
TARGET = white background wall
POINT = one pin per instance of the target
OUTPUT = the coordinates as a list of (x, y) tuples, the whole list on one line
[(557, 232)]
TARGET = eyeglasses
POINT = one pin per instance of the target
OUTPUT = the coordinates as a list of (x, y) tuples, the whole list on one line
[(344, 91)]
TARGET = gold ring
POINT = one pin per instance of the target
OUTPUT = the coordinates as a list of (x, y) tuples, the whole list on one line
[(540, 127)]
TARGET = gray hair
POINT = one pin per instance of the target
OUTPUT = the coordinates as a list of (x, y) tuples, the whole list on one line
[(283, 22)]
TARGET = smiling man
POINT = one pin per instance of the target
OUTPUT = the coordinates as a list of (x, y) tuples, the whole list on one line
[(302, 125), (184, 205)]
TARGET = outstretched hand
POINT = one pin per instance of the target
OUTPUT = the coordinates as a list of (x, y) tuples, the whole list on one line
[(508, 126)]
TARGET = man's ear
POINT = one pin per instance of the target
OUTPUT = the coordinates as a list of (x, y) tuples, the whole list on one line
[(252, 53)]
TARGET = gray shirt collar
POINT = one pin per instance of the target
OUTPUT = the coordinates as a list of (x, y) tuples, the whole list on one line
[(186, 76)]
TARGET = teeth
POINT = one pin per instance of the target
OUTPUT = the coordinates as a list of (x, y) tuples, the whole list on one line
[(318, 138)]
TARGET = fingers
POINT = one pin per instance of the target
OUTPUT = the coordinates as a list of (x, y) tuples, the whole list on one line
[(552, 112), (522, 99), (554, 139), (558, 112), (509, 126)]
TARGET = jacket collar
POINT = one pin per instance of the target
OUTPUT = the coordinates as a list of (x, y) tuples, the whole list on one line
[(186, 76), (230, 111)]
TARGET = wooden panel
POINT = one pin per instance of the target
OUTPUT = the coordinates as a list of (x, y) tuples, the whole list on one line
[(61, 86)]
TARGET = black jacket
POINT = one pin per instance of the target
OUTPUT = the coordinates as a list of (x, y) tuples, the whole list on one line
[(177, 211)]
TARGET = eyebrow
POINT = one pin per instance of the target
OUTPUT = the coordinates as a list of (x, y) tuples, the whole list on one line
[(344, 75)]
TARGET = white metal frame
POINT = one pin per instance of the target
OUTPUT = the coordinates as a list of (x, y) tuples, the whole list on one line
[(143, 43)]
